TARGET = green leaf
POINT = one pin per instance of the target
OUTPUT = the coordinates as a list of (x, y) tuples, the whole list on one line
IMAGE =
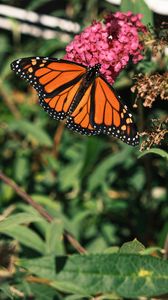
[(157, 151), (101, 172), (32, 132), (20, 218), (74, 297), (98, 245), (132, 247), (51, 204), (33, 5), (163, 234), (5, 288), (42, 267), (51, 46), (138, 7), (27, 237), (54, 238), (21, 167), (69, 176), (6, 192), (151, 250), (5, 45), (127, 275), (43, 292), (91, 154), (138, 180), (113, 249)]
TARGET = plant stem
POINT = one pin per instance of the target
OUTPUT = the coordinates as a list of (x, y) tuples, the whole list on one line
[(57, 138), (41, 210)]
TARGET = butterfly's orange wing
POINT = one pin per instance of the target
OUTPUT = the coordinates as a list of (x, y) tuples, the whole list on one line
[(80, 120), (109, 115), (100, 111), (56, 81)]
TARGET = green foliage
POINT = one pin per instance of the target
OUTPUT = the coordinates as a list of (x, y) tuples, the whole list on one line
[(96, 188), (6, 291), (156, 151), (123, 275), (33, 5), (89, 270), (132, 247), (17, 219), (138, 7), (38, 136)]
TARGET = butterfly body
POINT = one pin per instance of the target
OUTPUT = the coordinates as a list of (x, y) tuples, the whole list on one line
[(87, 80), (79, 94)]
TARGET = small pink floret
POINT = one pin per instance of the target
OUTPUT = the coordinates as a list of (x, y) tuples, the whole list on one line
[(112, 44)]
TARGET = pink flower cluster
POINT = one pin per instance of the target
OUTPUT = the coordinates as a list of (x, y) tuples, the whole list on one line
[(111, 44)]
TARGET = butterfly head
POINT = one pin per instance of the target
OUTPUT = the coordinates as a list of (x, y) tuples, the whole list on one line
[(94, 71), (97, 67)]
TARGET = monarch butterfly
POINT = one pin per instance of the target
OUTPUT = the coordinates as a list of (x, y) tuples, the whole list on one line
[(79, 94)]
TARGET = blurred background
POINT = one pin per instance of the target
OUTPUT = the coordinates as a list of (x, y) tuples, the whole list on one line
[(103, 193)]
